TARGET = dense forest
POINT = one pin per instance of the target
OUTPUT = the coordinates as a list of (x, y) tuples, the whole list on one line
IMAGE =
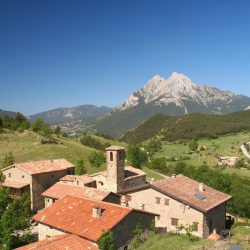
[(191, 126)]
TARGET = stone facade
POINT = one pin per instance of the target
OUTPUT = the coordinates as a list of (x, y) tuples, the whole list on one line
[(45, 232), (38, 183), (174, 213), (123, 231)]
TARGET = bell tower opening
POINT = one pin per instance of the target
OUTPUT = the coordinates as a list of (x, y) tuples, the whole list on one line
[(115, 156)]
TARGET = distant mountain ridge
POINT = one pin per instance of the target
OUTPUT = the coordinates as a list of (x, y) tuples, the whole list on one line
[(174, 96), (75, 114), (8, 113)]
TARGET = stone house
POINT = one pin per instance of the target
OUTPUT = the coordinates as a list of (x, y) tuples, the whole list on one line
[(227, 160), (180, 200), (91, 219), (59, 190), (35, 177)]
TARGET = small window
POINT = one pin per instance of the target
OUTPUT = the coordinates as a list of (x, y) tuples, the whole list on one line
[(100, 183), (52, 176), (174, 221), (69, 171), (48, 236), (125, 248), (195, 226), (77, 182), (157, 200), (9, 175), (111, 156), (166, 202), (158, 217), (22, 176)]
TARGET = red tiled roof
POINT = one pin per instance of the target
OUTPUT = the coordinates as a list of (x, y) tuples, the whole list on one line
[(59, 190), (74, 215), (185, 190), (84, 178), (60, 242), (37, 167), (14, 184)]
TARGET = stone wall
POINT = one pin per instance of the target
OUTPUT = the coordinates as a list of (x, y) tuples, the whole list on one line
[(40, 183), (45, 232), (123, 231), (214, 219), (167, 208), (16, 174)]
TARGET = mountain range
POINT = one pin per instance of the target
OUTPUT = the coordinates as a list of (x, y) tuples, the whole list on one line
[(176, 95), (78, 114)]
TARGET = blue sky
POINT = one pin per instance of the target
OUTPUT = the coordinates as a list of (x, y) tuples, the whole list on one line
[(57, 53)]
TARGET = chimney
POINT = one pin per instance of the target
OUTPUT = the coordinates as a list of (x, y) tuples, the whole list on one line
[(201, 187), (96, 212)]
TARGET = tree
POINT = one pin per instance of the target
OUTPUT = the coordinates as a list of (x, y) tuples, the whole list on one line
[(239, 164), (57, 130), (80, 169), (37, 125), (8, 160), (136, 156), (193, 145), (96, 159), (106, 242), (153, 146), (158, 163)]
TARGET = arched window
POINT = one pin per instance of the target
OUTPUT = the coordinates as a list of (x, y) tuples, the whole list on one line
[(111, 156)]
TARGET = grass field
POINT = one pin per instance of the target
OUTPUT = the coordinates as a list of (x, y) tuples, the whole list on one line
[(182, 242), (228, 145), (27, 146)]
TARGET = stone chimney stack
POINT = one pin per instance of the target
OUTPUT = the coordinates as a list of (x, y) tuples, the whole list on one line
[(96, 212), (201, 187)]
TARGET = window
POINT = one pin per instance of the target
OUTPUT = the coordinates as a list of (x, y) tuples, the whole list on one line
[(158, 217), (52, 176), (111, 156), (157, 200), (166, 202), (9, 175), (22, 176), (195, 226), (174, 221), (125, 248), (77, 182)]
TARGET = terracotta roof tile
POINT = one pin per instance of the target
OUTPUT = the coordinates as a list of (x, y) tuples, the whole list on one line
[(59, 190), (60, 242), (37, 167), (74, 215), (187, 191), (14, 184)]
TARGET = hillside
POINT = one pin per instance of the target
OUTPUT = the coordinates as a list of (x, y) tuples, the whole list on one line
[(189, 126), (174, 96), (27, 146)]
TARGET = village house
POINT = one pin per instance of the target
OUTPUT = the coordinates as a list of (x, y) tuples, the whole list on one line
[(227, 160), (35, 177), (59, 190), (91, 219), (181, 201)]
